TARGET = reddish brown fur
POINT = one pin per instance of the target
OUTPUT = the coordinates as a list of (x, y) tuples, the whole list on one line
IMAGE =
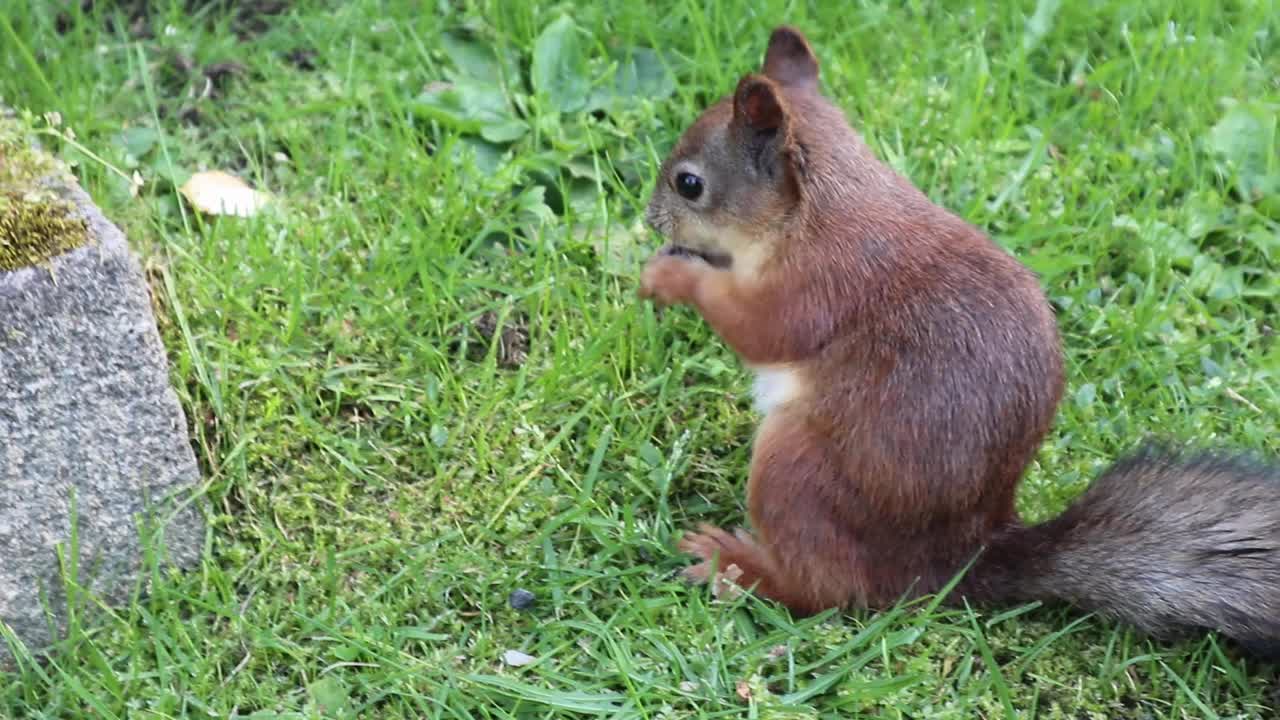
[(920, 368), (937, 356)]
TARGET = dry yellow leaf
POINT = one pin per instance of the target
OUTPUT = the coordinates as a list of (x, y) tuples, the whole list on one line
[(215, 192)]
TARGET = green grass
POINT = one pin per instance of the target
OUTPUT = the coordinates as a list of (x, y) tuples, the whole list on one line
[(383, 470)]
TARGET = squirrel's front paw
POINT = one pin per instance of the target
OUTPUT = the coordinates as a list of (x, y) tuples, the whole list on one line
[(671, 279)]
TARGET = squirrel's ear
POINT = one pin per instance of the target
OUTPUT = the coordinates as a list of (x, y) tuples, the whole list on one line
[(762, 123), (789, 60), (758, 105)]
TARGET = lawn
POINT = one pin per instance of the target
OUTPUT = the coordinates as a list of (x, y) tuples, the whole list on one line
[(421, 381)]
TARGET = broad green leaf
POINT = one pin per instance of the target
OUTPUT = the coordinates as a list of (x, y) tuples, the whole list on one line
[(532, 206), (560, 66), (1246, 139), (1206, 278), (465, 105), (330, 697), (650, 454), (639, 75), (1211, 368), (1228, 285), (1158, 239), (486, 156), (645, 76), (439, 435), (1204, 213), (549, 162), (504, 132), (162, 167), (473, 106), (138, 141), (583, 198), (582, 168), (476, 59), (1087, 393), (1266, 240)]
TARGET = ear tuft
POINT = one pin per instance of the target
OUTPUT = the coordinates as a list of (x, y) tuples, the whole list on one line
[(790, 60), (758, 104)]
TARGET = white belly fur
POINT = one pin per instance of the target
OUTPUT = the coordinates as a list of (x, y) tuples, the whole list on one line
[(774, 386)]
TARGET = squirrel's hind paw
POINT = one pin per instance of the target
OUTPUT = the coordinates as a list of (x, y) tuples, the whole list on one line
[(727, 583), (736, 556)]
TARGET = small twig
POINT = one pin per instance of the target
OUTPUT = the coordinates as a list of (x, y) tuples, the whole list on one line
[(1242, 400)]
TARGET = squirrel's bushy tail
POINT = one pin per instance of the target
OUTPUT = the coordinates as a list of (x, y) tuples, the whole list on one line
[(1169, 543)]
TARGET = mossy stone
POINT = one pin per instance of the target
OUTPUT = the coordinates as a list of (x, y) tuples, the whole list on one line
[(86, 409), (33, 232), (35, 223)]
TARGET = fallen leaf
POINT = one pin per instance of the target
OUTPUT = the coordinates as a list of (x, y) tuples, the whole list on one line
[(218, 193), (515, 658)]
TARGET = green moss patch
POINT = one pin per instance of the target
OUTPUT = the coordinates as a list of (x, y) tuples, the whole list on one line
[(35, 224), (33, 232)]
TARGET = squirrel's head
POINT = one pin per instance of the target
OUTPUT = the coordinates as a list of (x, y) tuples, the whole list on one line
[(735, 175)]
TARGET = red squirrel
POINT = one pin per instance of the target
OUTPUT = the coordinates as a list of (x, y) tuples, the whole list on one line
[(907, 369)]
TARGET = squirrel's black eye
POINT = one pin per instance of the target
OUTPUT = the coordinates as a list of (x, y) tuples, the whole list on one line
[(689, 186)]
